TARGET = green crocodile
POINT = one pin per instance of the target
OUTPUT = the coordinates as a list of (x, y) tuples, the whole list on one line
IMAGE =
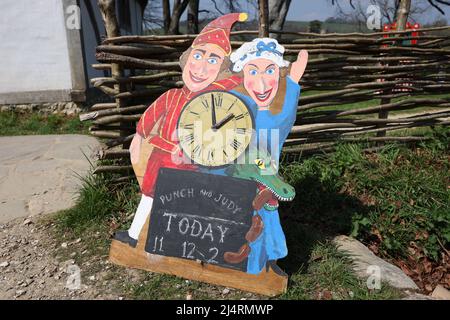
[(258, 166)]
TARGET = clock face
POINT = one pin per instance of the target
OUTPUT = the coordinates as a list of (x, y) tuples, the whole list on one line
[(215, 128)]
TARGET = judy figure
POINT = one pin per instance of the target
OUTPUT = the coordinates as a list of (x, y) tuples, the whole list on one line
[(273, 98)]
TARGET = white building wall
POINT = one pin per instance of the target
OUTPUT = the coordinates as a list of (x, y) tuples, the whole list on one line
[(33, 47)]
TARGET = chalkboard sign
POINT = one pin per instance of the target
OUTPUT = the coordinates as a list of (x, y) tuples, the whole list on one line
[(200, 216)]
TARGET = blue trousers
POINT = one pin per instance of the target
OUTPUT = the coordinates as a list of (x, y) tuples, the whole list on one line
[(270, 245)]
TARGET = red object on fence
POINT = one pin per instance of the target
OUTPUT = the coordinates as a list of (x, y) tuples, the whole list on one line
[(403, 87), (393, 27)]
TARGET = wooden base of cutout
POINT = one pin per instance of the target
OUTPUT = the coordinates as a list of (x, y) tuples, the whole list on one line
[(266, 283)]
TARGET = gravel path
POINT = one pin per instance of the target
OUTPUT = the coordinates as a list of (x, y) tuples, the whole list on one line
[(35, 265)]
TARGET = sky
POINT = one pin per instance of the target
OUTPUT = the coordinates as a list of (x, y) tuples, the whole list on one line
[(307, 10)]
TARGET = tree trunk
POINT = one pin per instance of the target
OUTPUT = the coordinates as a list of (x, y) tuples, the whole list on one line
[(402, 14), (263, 7), (278, 10), (178, 9), (166, 15), (402, 17), (108, 10), (192, 17)]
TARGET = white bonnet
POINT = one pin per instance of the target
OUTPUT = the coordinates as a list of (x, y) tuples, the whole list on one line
[(266, 48)]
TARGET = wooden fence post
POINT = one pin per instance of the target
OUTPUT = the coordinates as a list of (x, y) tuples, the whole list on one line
[(108, 10)]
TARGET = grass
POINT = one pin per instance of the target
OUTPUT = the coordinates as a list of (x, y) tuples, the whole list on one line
[(99, 201), (327, 275), (389, 200), (13, 124)]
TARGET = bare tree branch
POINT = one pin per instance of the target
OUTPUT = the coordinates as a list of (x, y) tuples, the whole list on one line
[(436, 6), (217, 8)]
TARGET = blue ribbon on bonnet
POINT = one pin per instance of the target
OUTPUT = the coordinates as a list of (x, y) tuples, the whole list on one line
[(271, 47), (261, 47)]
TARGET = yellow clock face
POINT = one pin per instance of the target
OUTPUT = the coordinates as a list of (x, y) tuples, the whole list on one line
[(215, 128)]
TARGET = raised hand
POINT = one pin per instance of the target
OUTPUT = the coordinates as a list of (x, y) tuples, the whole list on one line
[(298, 67)]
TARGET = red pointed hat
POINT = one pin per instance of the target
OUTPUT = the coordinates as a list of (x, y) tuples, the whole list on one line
[(218, 31)]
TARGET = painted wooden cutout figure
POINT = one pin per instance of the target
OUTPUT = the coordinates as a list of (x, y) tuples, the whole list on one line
[(241, 119), (273, 99)]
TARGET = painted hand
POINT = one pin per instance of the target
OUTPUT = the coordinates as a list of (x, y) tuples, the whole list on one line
[(261, 198), (135, 148), (298, 67)]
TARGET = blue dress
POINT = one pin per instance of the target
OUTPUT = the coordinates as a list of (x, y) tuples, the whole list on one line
[(271, 244)]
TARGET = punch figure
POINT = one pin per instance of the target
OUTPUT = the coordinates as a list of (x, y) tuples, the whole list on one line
[(202, 64)]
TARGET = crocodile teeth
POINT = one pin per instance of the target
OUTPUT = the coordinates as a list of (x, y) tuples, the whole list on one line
[(273, 191)]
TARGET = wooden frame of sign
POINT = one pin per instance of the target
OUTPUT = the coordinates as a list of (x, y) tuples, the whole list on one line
[(266, 283)]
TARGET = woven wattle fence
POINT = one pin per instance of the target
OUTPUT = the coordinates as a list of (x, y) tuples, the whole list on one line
[(391, 85)]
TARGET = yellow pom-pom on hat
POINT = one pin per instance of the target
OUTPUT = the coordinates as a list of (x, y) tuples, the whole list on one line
[(243, 16)]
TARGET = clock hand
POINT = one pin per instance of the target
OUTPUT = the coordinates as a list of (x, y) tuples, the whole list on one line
[(223, 121), (213, 112)]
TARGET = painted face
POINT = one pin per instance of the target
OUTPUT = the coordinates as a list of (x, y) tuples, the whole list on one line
[(261, 77), (202, 66)]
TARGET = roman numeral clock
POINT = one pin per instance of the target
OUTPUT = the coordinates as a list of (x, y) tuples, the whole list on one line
[(215, 128)]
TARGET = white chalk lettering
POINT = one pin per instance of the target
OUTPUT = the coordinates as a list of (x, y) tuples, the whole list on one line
[(205, 193), (227, 203), (222, 232), (208, 232), (186, 223), (170, 215), (199, 229), (218, 198), (177, 194)]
